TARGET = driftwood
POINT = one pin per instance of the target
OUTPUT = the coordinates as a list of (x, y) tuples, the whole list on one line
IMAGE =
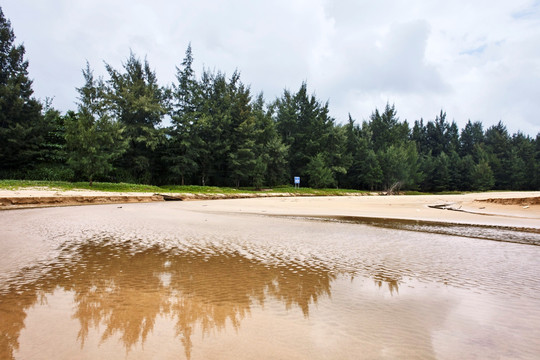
[(394, 188)]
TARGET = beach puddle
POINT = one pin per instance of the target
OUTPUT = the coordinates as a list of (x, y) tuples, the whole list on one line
[(328, 290)]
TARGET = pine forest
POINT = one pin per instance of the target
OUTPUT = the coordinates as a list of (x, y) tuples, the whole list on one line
[(210, 129)]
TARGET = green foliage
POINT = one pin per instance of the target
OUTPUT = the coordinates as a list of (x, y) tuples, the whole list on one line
[(93, 144), (53, 147), (371, 174), (184, 145), (93, 139), (134, 99), (465, 168), (276, 161), (398, 164), (21, 122), (305, 127), (50, 172), (497, 144), (472, 135), (440, 136), (320, 175), (535, 179), (386, 130), (482, 176)]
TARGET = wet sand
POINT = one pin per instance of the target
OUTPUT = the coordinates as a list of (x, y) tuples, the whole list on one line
[(269, 278)]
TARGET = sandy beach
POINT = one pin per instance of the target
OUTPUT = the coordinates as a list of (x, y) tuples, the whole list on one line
[(514, 209), (520, 209)]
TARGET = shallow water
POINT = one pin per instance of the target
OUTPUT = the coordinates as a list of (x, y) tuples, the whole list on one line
[(157, 281), (517, 235)]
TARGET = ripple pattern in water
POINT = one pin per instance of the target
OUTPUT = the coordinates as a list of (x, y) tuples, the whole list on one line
[(166, 283)]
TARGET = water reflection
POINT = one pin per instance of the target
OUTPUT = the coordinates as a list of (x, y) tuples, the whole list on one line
[(382, 278), (121, 290)]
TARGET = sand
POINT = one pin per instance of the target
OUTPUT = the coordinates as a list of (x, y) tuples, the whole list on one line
[(469, 208), (519, 209), (240, 279)]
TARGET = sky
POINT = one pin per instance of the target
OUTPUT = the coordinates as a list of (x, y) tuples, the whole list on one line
[(476, 60)]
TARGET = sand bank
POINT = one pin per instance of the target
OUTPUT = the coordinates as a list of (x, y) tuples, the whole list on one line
[(37, 197), (522, 210), (493, 208)]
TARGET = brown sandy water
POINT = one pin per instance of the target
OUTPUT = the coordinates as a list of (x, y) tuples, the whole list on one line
[(166, 281)]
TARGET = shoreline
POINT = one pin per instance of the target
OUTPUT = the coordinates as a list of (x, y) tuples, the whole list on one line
[(472, 209), (490, 208), (38, 198)]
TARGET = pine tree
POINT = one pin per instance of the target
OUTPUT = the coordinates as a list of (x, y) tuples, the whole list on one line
[(138, 103), (216, 129), (441, 173), (440, 135), (93, 139), (319, 173), (273, 152), (185, 143), (419, 136), (498, 147), (244, 151), (371, 175), (275, 157), (305, 126), (53, 152), (482, 175), (21, 123), (471, 135), (54, 146), (386, 129), (399, 166), (466, 173), (536, 167)]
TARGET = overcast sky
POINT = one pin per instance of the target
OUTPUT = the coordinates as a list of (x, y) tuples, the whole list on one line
[(477, 60)]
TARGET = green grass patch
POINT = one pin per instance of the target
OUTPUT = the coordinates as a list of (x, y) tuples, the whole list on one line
[(415, 193), (319, 192), (64, 185), (125, 187), (195, 189), (433, 193)]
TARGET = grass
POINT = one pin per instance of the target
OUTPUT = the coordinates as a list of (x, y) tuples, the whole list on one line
[(278, 189), (411, 192), (195, 189), (321, 192), (64, 185), (125, 187)]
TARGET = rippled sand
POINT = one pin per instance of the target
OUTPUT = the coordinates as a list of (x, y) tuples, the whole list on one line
[(272, 278)]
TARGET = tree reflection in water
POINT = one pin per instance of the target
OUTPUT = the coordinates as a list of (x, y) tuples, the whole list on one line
[(385, 276), (122, 290)]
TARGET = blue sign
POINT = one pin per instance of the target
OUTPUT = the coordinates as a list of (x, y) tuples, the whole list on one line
[(297, 180)]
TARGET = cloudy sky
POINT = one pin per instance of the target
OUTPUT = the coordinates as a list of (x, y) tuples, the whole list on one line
[(477, 60)]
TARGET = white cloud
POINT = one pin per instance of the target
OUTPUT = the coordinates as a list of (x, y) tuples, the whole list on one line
[(477, 60)]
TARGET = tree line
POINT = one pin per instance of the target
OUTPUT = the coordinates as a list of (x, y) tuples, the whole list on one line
[(211, 130)]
